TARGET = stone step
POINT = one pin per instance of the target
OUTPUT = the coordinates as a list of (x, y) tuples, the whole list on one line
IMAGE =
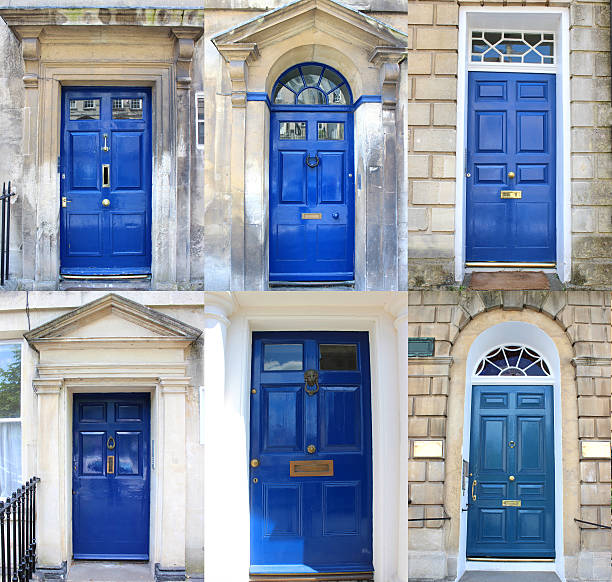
[(477, 576)]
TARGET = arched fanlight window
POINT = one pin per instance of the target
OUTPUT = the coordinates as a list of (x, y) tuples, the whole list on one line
[(512, 360), (311, 84)]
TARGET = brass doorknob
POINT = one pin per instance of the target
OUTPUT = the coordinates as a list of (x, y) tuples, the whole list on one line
[(106, 202), (511, 478), (511, 175), (311, 449), (254, 463)]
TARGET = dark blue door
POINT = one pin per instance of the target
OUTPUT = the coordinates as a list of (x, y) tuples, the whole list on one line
[(312, 205), (311, 453), (105, 168), (511, 147), (512, 486), (110, 483)]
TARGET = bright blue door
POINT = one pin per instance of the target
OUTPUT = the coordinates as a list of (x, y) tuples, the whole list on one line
[(312, 203), (105, 169), (511, 147), (311, 454), (110, 477), (512, 487)]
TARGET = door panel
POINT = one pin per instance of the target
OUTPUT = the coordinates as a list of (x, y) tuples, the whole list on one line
[(99, 238), (512, 436), (319, 523), (312, 208), (110, 499), (511, 129)]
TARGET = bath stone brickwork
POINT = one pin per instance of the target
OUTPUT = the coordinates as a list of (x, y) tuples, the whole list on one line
[(584, 317), (432, 99)]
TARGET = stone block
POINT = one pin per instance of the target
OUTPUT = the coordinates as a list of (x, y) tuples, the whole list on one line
[(417, 427), (443, 314), (584, 220), (443, 219), (443, 166), (440, 297), (425, 566), (602, 64), (600, 315), (602, 17), (604, 472), (602, 113), (430, 405), (420, 13), (596, 540), (582, 62), (421, 314), (435, 471), (535, 299), (596, 298), (431, 246), (582, 114), (439, 385), (582, 14), (415, 512), (588, 471), (415, 297), (585, 89), (443, 88), (443, 348), (433, 192), (586, 386), (418, 385), (434, 140), (602, 428), (445, 63), (586, 427), (588, 39), (419, 63), (602, 385), (590, 139), (447, 13), (435, 511), (603, 166), (595, 494), (416, 471), (593, 406), (582, 167), (436, 38), (445, 114), (427, 493), (418, 219), (437, 427), (418, 165), (419, 114)]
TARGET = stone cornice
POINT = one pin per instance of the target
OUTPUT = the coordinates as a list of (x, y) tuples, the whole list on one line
[(591, 361), (432, 360)]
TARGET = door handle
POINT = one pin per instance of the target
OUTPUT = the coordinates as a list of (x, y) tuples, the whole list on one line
[(105, 148), (65, 201), (105, 175), (474, 482), (511, 175), (335, 215), (511, 478), (106, 202), (311, 449), (312, 161), (254, 463)]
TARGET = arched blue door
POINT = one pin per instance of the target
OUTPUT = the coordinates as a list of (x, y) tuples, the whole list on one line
[(312, 206)]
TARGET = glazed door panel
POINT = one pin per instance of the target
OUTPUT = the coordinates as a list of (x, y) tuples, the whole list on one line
[(300, 522), (511, 147), (105, 168), (312, 206), (110, 501), (512, 459)]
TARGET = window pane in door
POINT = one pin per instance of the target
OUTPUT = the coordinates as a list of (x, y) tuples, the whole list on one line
[(338, 357), (84, 109), (330, 130), (292, 130), (127, 108), (283, 357)]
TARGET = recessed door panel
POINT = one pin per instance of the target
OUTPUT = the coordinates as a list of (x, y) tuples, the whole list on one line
[(293, 177), (105, 177), (310, 471), (511, 147), (110, 479), (511, 503)]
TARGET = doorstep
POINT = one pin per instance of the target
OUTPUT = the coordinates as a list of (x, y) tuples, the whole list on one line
[(512, 280), (475, 576), (86, 571)]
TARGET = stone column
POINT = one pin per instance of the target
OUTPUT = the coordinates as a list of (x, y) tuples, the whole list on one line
[(238, 56), (51, 519), (220, 560), (173, 475)]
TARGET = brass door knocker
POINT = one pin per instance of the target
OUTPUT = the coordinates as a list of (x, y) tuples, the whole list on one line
[(311, 377), (110, 443), (310, 164)]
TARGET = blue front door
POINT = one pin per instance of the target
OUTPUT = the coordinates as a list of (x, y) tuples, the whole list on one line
[(511, 504), (312, 205), (311, 453), (110, 476), (511, 148), (105, 169)]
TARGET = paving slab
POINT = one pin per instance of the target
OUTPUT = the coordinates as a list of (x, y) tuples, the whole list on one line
[(476, 576), (109, 572)]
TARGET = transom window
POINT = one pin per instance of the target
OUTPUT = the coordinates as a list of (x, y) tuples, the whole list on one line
[(513, 47), (311, 84), (512, 360)]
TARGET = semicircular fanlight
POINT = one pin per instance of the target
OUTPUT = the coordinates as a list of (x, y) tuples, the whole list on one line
[(311, 84), (512, 360)]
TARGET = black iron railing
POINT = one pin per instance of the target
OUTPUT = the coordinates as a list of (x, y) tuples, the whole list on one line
[(5, 231), (600, 525), (18, 534)]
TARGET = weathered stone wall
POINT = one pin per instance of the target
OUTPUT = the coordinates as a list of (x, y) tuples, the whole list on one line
[(432, 134), (579, 324)]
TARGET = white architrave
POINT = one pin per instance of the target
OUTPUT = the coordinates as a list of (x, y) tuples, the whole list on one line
[(522, 18), (515, 333), (112, 345)]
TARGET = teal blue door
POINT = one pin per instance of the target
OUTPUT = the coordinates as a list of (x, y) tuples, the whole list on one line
[(511, 504), (311, 454)]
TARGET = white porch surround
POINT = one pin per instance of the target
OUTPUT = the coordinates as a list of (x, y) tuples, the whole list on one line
[(112, 345), (230, 320)]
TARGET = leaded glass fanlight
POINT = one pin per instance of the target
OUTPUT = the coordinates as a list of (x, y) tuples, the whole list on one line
[(512, 360), (311, 84), (513, 47)]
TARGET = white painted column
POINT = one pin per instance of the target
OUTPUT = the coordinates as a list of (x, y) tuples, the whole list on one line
[(220, 557), (50, 506)]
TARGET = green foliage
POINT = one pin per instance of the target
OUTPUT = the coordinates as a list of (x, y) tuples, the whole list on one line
[(10, 386)]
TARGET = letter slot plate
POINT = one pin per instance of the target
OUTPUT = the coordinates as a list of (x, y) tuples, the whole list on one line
[(311, 468), (511, 194), (110, 464), (511, 502), (312, 215)]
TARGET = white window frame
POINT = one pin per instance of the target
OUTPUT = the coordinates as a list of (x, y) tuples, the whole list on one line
[(4, 420), (534, 338), (518, 18), (200, 96)]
